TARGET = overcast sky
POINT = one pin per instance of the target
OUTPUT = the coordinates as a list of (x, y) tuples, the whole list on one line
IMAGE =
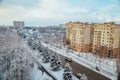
[(52, 12)]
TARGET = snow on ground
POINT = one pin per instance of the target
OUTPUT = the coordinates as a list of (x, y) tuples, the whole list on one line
[(57, 74), (107, 66), (37, 74), (104, 63)]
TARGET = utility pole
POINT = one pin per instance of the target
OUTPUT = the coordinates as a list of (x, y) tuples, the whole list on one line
[(118, 62), (118, 66)]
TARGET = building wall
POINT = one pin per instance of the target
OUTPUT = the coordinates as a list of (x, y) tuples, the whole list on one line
[(68, 29), (106, 39), (116, 43), (78, 36), (88, 38)]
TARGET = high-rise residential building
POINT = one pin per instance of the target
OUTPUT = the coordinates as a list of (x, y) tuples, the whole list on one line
[(100, 39), (18, 24), (106, 39), (78, 36), (68, 30)]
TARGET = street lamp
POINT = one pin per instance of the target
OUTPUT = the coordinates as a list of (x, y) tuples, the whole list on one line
[(118, 66)]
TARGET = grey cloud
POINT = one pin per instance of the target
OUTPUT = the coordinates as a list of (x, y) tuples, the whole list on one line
[(24, 3)]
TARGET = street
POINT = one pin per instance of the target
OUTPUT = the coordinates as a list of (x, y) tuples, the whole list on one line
[(77, 68)]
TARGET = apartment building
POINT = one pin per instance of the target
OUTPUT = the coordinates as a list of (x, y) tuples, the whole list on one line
[(106, 39), (78, 36), (100, 39), (68, 30), (18, 24)]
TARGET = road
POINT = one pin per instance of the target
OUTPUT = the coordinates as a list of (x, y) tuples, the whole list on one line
[(77, 68)]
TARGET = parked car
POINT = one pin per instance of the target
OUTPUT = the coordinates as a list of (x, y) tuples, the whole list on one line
[(68, 59)]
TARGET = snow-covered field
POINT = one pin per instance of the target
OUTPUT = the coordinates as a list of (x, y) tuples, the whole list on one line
[(106, 66)]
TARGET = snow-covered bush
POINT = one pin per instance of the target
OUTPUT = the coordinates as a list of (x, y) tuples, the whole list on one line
[(45, 56), (34, 46), (40, 47), (55, 62), (67, 75), (29, 41), (33, 43)]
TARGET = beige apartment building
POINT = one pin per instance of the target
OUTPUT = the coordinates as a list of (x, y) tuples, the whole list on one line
[(106, 39), (78, 36), (100, 39)]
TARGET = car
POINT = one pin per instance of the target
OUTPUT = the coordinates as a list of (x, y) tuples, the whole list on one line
[(68, 59), (81, 76), (46, 42), (78, 75)]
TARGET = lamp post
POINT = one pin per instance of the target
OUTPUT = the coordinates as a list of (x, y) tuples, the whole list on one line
[(118, 67)]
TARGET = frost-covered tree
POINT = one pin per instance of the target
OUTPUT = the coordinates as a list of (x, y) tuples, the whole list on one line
[(67, 75), (29, 41), (34, 45), (40, 47), (55, 62), (14, 57), (19, 68), (45, 56), (15, 65)]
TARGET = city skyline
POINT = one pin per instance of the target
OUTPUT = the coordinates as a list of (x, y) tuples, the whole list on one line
[(52, 12)]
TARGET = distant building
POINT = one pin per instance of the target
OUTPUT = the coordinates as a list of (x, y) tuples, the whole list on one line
[(52, 29), (18, 24)]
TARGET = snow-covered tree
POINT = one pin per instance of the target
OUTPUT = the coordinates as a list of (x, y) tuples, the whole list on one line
[(34, 46), (45, 56), (14, 57), (15, 64), (67, 75), (40, 47), (29, 41), (55, 62), (34, 43)]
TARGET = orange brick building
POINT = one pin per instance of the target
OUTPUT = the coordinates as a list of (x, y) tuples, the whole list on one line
[(106, 39), (100, 39)]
